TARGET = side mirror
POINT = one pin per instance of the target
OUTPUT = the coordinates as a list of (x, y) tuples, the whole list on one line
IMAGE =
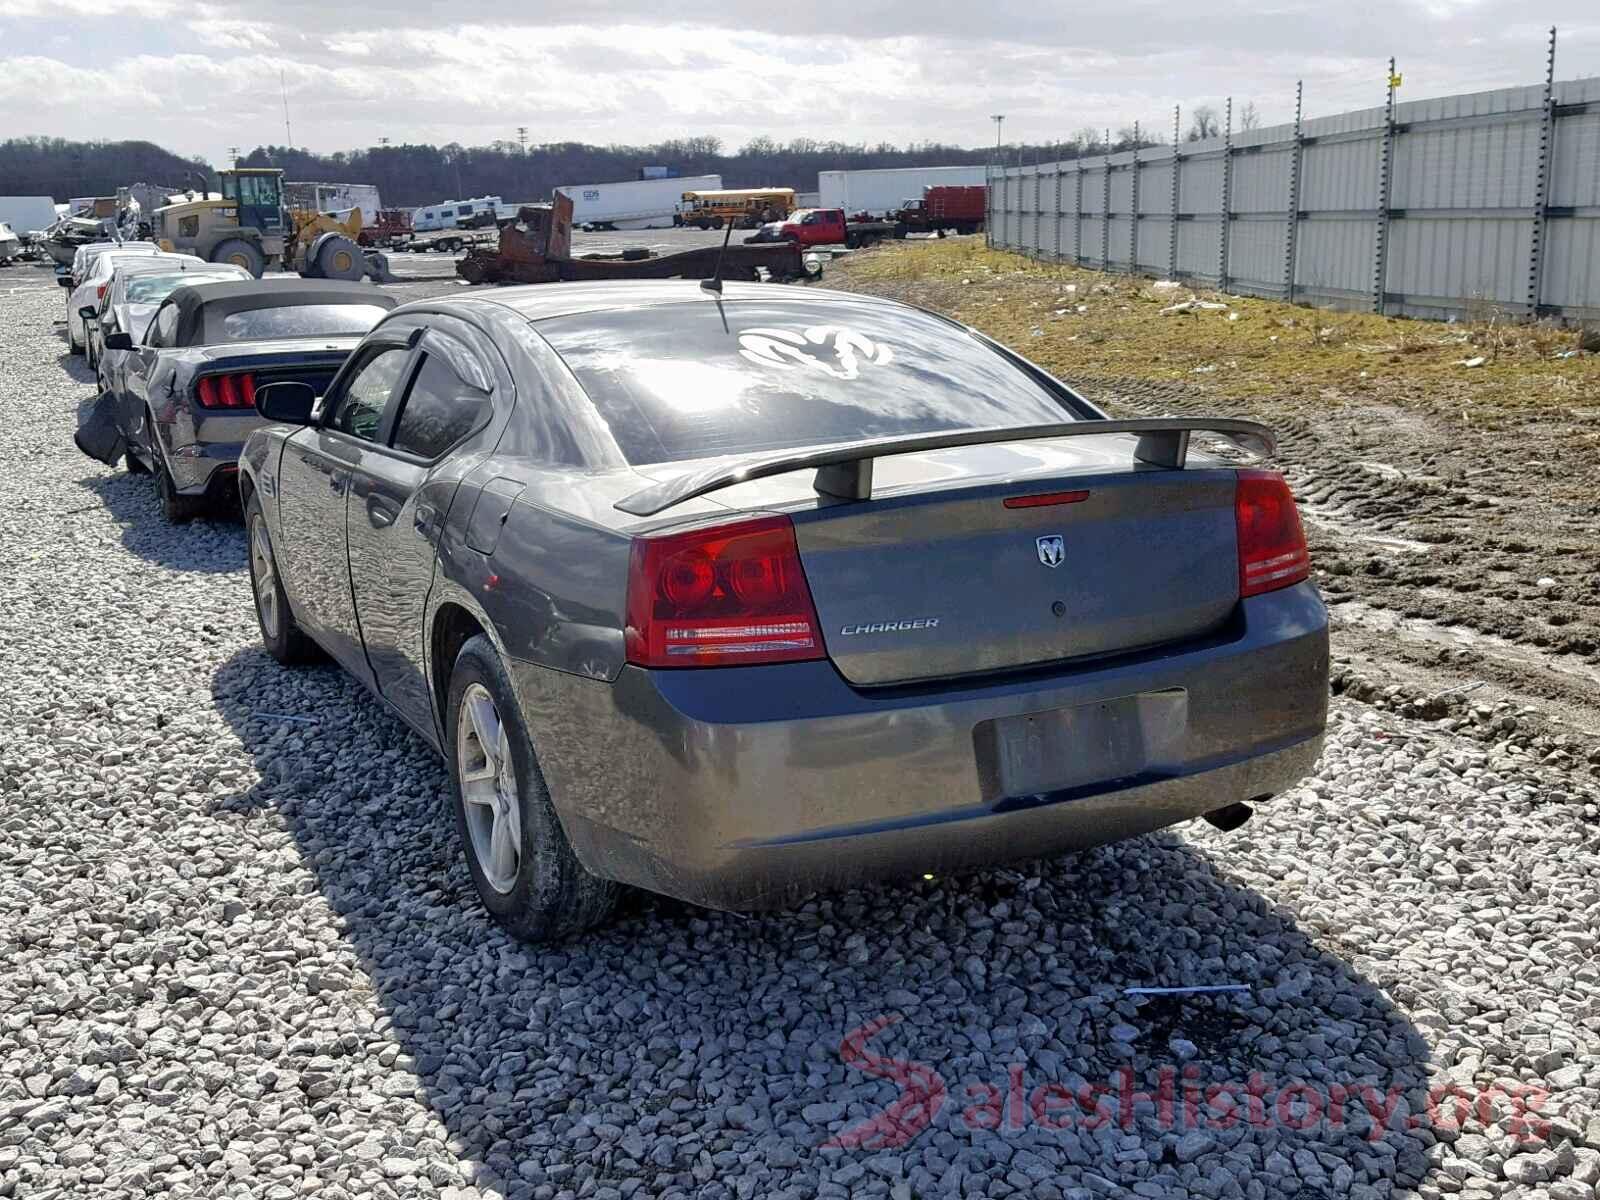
[(119, 341), (64, 281), (289, 402), (88, 312)]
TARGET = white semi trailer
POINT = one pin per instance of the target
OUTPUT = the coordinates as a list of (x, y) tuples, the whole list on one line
[(633, 203), (880, 192)]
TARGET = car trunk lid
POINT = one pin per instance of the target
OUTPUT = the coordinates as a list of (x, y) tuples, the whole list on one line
[(937, 576)]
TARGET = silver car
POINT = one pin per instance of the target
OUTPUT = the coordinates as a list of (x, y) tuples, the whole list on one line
[(184, 400), (129, 301), (740, 597)]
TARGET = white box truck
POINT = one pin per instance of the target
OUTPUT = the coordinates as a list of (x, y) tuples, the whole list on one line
[(880, 192), (633, 203)]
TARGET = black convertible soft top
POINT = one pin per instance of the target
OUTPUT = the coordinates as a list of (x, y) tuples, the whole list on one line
[(198, 303)]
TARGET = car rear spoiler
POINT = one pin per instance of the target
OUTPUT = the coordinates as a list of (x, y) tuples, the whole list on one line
[(845, 472)]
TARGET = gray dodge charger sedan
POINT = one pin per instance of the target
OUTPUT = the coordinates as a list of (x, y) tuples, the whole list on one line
[(740, 597)]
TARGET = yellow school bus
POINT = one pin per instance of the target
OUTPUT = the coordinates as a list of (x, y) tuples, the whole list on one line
[(747, 208)]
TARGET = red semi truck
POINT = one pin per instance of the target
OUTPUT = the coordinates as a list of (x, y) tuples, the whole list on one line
[(942, 208)]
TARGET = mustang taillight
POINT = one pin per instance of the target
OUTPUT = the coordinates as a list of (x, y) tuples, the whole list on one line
[(227, 391), (720, 595), (1272, 543)]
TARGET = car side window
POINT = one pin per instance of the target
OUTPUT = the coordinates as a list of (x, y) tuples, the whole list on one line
[(440, 409), (360, 409), (161, 329)]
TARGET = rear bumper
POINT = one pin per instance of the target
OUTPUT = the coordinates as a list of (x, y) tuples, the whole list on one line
[(205, 468), (752, 787)]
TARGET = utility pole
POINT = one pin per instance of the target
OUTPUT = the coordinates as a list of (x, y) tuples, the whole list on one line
[(283, 86), (522, 137), (233, 154), (999, 120), (383, 141)]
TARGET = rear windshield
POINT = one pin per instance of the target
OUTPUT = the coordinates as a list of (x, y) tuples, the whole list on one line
[(153, 289), (676, 382), (300, 320)]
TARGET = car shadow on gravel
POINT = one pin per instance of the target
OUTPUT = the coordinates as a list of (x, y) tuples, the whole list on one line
[(213, 544), (718, 1054), (75, 365)]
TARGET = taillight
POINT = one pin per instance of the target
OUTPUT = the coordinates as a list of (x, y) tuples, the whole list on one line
[(100, 292), (1272, 544), (227, 391), (720, 595)]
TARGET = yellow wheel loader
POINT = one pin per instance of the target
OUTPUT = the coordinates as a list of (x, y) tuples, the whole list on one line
[(247, 225)]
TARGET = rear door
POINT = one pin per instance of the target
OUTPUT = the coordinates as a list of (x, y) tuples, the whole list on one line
[(313, 483), (399, 497)]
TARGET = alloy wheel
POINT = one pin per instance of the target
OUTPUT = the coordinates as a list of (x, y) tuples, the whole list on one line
[(489, 789), (266, 578)]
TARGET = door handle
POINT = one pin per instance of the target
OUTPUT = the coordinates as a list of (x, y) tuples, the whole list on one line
[(381, 512), (422, 521), (336, 483)]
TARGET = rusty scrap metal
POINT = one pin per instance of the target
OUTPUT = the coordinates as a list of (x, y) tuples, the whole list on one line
[(537, 248)]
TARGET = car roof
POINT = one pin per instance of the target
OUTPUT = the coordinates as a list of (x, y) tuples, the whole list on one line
[(95, 249), (177, 265), (544, 301), (194, 300)]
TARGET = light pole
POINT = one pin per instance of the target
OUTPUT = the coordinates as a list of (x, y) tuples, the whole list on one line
[(999, 120)]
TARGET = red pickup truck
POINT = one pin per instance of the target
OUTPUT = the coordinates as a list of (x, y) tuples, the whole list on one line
[(826, 227)]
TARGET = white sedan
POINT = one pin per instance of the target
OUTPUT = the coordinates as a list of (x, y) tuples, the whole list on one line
[(90, 287)]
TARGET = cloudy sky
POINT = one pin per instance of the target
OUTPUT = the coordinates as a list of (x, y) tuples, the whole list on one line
[(199, 76)]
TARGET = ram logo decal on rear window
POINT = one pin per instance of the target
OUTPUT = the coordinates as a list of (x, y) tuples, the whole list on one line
[(826, 348)]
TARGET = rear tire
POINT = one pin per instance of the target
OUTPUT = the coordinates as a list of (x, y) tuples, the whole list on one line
[(176, 508), (519, 858), (340, 258), (238, 252), (280, 632)]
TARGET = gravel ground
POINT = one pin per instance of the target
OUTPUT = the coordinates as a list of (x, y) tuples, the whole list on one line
[(241, 957)]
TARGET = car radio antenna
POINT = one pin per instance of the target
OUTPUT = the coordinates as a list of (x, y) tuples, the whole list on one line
[(714, 284)]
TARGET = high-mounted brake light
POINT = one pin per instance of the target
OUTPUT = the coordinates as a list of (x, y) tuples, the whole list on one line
[(1045, 499), (1272, 543), (720, 595), (227, 391)]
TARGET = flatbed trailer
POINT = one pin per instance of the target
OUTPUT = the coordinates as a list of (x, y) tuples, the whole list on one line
[(449, 241)]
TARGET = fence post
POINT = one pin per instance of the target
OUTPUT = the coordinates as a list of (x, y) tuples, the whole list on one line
[(1227, 198), (1055, 218), (1292, 231), (1380, 265), (1172, 250), (1077, 213), (988, 203), (1133, 221), (1541, 187), (1105, 210), (1038, 207)]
